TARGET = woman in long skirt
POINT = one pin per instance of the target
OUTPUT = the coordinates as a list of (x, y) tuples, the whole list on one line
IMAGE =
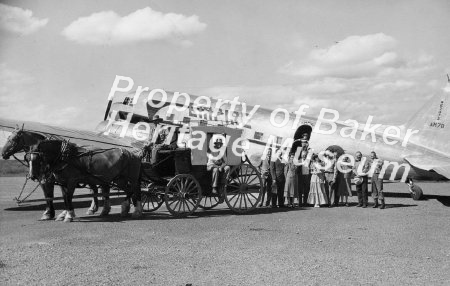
[(317, 195)]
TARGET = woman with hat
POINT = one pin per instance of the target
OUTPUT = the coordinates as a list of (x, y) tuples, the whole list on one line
[(317, 195)]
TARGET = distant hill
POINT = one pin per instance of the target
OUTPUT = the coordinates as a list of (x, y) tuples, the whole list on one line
[(12, 168)]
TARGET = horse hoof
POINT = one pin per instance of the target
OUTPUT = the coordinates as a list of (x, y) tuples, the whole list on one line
[(90, 212), (47, 216), (61, 216), (136, 215), (68, 219), (104, 212)]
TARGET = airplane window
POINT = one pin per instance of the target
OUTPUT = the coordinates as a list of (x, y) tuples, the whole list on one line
[(279, 140), (126, 101), (258, 135)]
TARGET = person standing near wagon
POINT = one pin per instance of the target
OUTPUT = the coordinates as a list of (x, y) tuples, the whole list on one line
[(317, 195), (345, 186), (217, 165), (264, 170), (278, 179), (290, 173), (361, 180), (377, 182), (330, 183), (304, 178)]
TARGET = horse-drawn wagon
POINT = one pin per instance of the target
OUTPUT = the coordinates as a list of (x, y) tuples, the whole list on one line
[(180, 178)]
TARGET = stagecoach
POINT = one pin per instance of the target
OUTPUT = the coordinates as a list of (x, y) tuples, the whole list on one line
[(179, 177)]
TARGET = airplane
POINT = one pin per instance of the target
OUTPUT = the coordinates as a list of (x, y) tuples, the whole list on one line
[(416, 150)]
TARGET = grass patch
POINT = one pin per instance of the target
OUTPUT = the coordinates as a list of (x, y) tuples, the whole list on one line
[(12, 168)]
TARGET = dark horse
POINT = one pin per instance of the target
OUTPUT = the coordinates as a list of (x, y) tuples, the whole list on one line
[(21, 141), (72, 165)]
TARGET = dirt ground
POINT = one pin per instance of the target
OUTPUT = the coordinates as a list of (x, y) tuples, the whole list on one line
[(406, 244)]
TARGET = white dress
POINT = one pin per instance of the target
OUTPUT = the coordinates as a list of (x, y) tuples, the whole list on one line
[(317, 195)]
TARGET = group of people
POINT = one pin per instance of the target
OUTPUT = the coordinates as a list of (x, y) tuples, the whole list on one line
[(310, 180)]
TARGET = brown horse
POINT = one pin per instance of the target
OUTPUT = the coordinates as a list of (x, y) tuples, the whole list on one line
[(72, 165), (21, 141)]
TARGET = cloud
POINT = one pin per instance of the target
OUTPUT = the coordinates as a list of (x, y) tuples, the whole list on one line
[(354, 56), (362, 75), (146, 24), (19, 100), (391, 102), (19, 21)]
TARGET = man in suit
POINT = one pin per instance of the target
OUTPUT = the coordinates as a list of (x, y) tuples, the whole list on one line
[(277, 173), (217, 165), (360, 170), (264, 170)]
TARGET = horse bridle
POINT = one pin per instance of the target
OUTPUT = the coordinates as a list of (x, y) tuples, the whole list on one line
[(15, 143)]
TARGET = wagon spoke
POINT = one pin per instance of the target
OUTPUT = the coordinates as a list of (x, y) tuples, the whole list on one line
[(253, 187), (237, 200), (183, 202), (187, 205), (233, 186), (251, 194), (240, 201), (233, 196), (253, 179)]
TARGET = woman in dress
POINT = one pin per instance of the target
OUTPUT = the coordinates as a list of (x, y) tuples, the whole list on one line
[(317, 195), (344, 179), (290, 173)]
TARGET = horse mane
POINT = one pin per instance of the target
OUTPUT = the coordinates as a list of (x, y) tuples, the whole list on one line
[(32, 133), (63, 147)]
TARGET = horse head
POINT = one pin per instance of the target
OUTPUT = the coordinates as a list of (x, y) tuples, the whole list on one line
[(14, 144), (20, 140)]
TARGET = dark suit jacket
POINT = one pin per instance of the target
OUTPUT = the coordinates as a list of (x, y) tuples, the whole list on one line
[(277, 170)]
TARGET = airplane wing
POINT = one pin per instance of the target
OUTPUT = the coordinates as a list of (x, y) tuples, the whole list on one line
[(430, 163), (79, 137)]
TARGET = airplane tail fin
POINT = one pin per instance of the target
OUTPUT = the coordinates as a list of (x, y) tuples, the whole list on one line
[(433, 123)]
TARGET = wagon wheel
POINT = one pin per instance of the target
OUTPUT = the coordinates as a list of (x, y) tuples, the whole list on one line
[(151, 200), (209, 202), (243, 189), (183, 195)]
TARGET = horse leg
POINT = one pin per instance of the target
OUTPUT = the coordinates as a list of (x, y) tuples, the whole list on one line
[(94, 204), (63, 214), (69, 195), (136, 189), (48, 188), (106, 201), (125, 206)]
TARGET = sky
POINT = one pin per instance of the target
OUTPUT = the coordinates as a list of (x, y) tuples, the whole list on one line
[(58, 59)]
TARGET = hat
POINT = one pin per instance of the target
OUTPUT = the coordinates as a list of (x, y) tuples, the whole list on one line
[(358, 181)]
